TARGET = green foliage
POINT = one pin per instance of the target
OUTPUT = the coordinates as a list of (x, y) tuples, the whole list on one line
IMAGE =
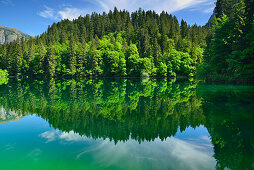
[(229, 124), (141, 110), (4, 77), (247, 57), (3, 73), (4, 80), (116, 109), (229, 52), (113, 44), (51, 61), (162, 71)]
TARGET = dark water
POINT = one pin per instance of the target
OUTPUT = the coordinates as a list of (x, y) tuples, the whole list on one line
[(125, 124)]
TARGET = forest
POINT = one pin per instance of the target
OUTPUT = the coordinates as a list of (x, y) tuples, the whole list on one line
[(140, 44), (229, 54), (114, 44)]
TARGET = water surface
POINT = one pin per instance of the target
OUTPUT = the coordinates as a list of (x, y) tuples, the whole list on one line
[(125, 124)]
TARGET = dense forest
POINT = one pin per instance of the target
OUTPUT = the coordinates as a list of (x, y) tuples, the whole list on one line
[(229, 55), (142, 43), (114, 44)]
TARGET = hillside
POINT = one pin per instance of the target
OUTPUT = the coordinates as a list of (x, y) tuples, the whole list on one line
[(229, 55), (10, 34), (118, 43)]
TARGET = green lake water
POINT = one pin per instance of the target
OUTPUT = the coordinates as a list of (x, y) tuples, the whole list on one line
[(125, 124)]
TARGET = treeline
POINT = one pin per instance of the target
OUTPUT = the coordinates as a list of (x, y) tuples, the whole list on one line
[(230, 44), (110, 44)]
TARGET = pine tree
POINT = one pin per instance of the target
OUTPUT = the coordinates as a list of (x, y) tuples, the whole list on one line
[(82, 58), (156, 52), (246, 70), (18, 58), (219, 9), (184, 29), (72, 57), (51, 61), (3, 54), (30, 57), (93, 58), (41, 58), (146, 44)]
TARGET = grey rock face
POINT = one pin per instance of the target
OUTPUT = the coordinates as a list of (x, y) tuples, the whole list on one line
[(2, 37), (10, 38), (10, 34), (8, 116)]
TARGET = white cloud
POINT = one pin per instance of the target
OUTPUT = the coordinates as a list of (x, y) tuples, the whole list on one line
[(173, 153), (63, 136), (49, 135), (206, 7), (6, 2), (209, 10), (34, 154), (65, 13), (157, 5), (71, 13), (48, 13), (68, 12), (71, 137)]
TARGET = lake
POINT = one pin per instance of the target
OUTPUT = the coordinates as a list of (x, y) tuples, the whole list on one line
[(125, 124)]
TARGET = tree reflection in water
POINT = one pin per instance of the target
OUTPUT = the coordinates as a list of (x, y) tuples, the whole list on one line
[(142, 110)]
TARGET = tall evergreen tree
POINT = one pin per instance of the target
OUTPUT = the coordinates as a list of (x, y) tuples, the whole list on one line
[(41, 58), (72, 57), (51, 61)]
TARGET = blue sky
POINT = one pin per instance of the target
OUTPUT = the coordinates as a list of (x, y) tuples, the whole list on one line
[(34, 16)]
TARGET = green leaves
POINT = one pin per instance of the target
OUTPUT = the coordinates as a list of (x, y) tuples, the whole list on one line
[(228, 54), (3, 73), (113, 44)]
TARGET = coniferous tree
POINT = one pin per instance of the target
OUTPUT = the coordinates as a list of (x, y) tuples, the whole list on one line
[(76, 48), (18, 62), (184, 29), (41, 58), (72, 57), (226, 43), (51, 61)]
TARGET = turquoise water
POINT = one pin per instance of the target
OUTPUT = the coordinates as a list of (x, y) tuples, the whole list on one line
[(125, 124)]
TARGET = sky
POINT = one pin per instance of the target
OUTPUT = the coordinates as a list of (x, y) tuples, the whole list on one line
[(34, 16)]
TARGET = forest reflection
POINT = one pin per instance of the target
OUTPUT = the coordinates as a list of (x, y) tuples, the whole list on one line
[(114, 109), (143, 110)]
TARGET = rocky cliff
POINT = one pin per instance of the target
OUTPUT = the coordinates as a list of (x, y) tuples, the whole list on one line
[(8, 116), (10, 34)]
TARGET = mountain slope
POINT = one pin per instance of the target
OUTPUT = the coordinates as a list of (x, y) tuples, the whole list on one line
[(10, 34), (8, 116), (117, 43)]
